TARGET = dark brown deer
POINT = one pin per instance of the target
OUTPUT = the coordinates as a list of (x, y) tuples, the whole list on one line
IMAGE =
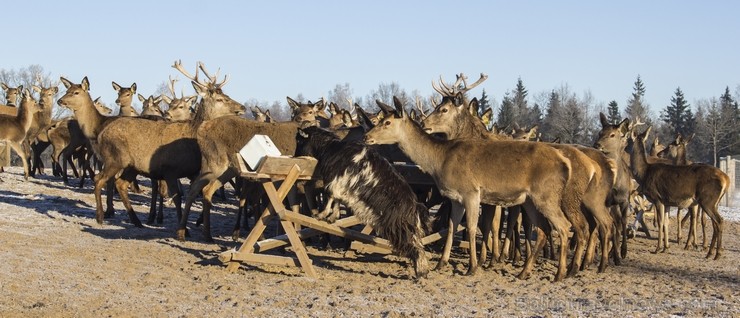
[(461, 169), (680, 186), (14, 129)]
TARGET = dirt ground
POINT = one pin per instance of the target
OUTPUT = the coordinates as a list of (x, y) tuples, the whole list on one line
[(55, 261)]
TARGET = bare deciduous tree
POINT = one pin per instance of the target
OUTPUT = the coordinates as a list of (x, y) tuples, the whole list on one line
[(713, 125)]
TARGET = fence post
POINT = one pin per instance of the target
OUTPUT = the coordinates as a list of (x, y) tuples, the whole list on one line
[(727, 165)]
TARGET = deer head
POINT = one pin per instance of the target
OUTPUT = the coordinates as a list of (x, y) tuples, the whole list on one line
[(214, 102), (261, 116), (125, 94), (523, 134), (676, 150), (306, 111), (613, 138), (29, 103), (102, 109), (77, 95), (11, 93), (150, 105), (46, 95), (392, 125)]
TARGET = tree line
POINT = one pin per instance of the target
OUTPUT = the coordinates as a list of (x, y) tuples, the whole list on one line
[(559, 113)]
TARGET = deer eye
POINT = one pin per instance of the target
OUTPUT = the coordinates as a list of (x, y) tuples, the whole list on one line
[(444, 110), (612, 135), (387, 122)]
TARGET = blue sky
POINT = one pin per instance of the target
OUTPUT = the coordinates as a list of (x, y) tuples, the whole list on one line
[(274, 49)]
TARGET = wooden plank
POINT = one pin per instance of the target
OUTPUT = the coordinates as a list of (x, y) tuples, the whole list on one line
[(298, 248), (281, 165), (282, 240), (233, 256), (334, 230), (367, 248)]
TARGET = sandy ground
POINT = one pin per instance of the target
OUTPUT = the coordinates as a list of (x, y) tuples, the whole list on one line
[(57, 262)]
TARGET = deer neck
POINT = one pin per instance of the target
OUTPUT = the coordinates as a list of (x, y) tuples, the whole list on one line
[(467, 127), (90, 119), (422, 148), (638, 160), (24, 117)]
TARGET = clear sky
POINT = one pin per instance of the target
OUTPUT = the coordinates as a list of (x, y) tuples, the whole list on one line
[(274, 49)]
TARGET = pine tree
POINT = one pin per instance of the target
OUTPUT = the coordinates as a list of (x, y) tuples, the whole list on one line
[(678, 115), (521, 110), (484, 102), (613, 113), (728, 107), (636, 107), (506, 113)]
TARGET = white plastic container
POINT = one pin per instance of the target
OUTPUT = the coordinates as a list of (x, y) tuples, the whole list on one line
[(257, 149)]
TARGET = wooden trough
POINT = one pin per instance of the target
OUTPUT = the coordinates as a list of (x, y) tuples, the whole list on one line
[(288, 170)]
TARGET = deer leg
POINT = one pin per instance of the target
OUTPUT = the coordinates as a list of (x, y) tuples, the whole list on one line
[(511, 224), (208, 192), (539, 244), (659, 210), (703, 229), (678, 223), (105, 177), (692, 214), (122, 185), (455, 218), (153, 205), (486, 229), (23, 151), (472, 211)]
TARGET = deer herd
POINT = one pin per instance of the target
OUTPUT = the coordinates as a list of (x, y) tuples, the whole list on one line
[(556, 192)]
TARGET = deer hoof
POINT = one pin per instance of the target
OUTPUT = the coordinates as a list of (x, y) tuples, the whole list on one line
[(181, 233)]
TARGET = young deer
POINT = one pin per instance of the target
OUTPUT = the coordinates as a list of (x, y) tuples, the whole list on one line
[(680, 186), (124, 100), (14, 129), (11, 94), (461, 169)]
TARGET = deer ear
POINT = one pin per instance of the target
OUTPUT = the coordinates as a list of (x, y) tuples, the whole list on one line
[(64, 81), (487, 117), (97, 100), (20, 88), (133, 87), (141, 98), (85, 84), (55, 89), (5, 87), (116, 86), (604, 121), (36, 88), (624, 127), (167, 99), (474, 106), (399, 107), (687, 140), (292, 103), (533, 132), (319, 105)]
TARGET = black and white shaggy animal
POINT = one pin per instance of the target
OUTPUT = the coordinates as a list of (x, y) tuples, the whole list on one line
[(367, 183)]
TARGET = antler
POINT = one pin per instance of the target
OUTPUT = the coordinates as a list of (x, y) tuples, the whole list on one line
[(178, 66), (456, 88), (213, 79), (171, 86), (420, 107)]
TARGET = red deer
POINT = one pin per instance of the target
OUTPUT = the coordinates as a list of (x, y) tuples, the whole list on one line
[(680, 186), (14, 129), (124, 100), (461, 169)]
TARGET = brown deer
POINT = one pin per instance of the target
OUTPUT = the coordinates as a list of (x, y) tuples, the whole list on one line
[(262, 116), (612, 140), (11, 94), (680, 186), (308, 111), (676, 153), (125, 99), (158, 149), (592, 177), (179, 108), (14, 129), (461, 169), (41, 123), (150, 106)]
